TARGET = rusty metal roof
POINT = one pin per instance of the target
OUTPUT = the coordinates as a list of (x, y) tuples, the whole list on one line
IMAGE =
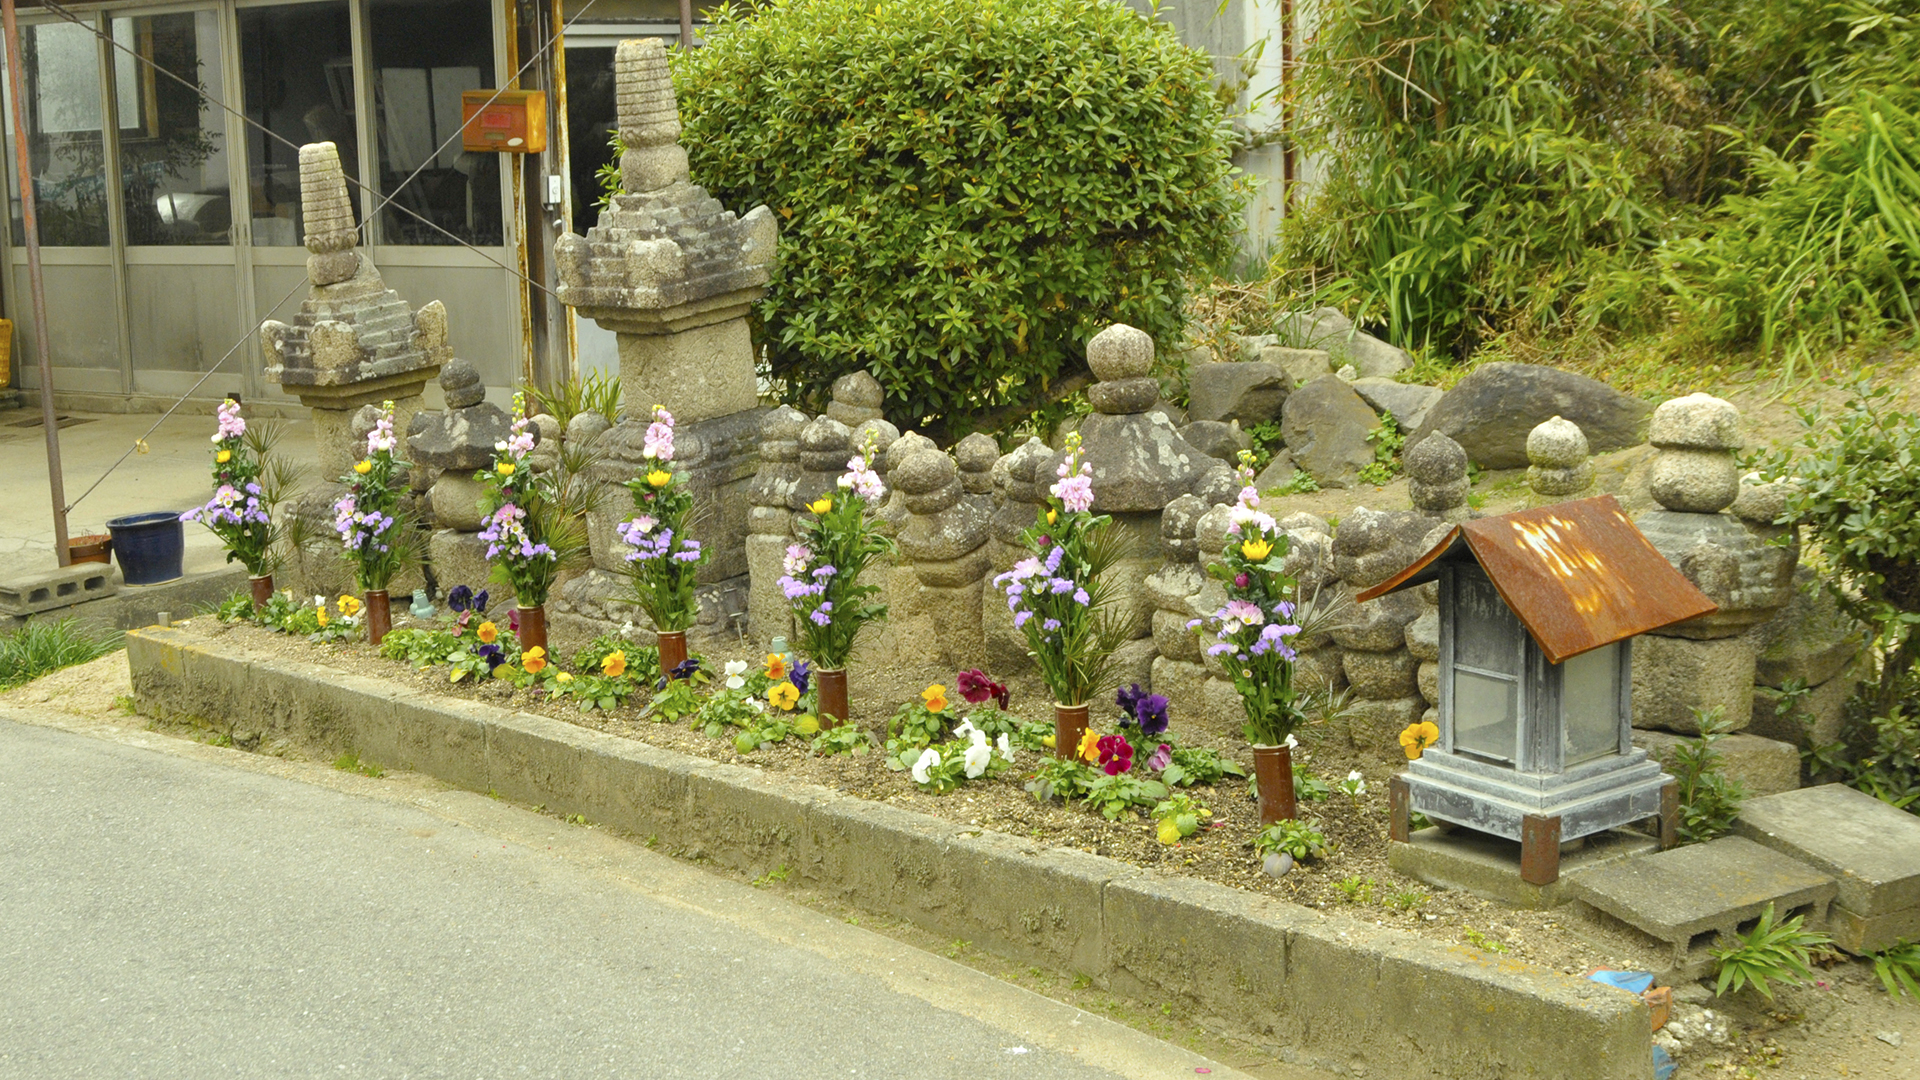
[(1578, 574)]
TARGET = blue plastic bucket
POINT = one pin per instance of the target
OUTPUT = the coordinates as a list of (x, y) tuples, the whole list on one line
[(148, 546)]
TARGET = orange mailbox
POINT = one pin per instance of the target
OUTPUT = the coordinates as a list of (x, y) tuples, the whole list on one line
[(509, 121)]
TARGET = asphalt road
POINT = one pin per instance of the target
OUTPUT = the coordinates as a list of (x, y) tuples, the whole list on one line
[(180, 913)]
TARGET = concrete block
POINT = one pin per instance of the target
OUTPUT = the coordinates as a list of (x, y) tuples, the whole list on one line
[(1762, 766), (1871, 849), (1489, 866), (1689, 896), (31, 591)]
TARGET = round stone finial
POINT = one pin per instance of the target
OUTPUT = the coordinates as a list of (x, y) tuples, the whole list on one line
[(1120, 352), (783, 424), (1696, 422), (858, 389), (1557, 444), (1695, 481), (976, 453), (925, 470), (461, 384), (325, 209), (904, 447), (1436, 459)]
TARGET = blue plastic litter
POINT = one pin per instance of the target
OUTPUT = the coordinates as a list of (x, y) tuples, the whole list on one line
[(1637, 982), (1663, 1063)]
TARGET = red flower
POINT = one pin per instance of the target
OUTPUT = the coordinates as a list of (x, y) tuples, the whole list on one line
[(1116, 755), (976, 687)]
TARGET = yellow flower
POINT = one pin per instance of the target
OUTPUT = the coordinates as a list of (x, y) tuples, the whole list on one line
[(1090, 747), (821, 505), (1256, 550), (534, 660), (223, 457), (615, 665), (487, 633), (659, 478), (1169, 833), (936, 698), (1053, 516), (808, 724), (349, 605), (322, 612), (776, 667), (1418, 737), (565, 676), (363, 466), (783, 696), (1047, 741), (505, 468)]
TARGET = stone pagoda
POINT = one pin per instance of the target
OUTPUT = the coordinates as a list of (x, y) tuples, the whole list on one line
[(673, 274), (354, 342)]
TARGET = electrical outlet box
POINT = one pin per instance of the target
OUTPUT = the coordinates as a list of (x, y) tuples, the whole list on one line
[(504, 121)]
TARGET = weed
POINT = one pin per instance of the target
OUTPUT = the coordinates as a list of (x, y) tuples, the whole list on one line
[(1481, 941), (1357, 890), (1298, 484), (1709, 799), (578, 819), (1387, 440), (1899, 968), (493, 793), (1081, 982), (45, 646), (1781, 951), (1295, 838), (1410, 899), (126, 704), (652, 840), (347, 762), (957, 948), (779, 874)]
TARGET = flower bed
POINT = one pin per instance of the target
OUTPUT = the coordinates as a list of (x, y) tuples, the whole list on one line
[(1342, 795)]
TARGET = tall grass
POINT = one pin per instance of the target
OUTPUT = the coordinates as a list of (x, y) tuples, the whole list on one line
[(43, 646)]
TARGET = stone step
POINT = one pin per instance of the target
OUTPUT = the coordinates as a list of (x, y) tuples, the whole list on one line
[(1871, 849), (1762, 766), (1688, 897)]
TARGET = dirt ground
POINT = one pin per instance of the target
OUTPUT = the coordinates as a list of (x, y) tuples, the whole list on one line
[(1843, 1025)]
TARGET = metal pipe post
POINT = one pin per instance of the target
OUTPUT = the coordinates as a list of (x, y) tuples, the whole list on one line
[(30, 224)]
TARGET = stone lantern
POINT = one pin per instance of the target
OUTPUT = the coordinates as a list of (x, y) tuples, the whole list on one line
[(1538, 610)]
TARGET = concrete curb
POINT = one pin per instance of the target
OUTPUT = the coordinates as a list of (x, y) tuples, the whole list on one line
[(1340, 994)]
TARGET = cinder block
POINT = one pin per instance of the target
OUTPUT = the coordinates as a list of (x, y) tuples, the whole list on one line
[(1871, 849), (34, 591)]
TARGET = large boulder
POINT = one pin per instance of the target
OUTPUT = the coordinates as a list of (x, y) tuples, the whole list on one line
[(1140, 462), (1326, 425), (1491, 411), (1248, 392)]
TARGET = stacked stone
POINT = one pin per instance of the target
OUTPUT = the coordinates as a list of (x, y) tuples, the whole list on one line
[(451, 446), (1180, 592), (354, 342), (1020, 486), (1746, 568), (770, 523), (1382, 672), (1436, 471), (1557, 459), (935, 608), (825, 446), (855, 399), (1423, 643), (1814, 644)]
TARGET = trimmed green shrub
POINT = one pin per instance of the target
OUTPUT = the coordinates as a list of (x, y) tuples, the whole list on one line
[(967, 190)]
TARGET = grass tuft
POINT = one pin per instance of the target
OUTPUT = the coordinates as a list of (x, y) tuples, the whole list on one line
[(42, 647)]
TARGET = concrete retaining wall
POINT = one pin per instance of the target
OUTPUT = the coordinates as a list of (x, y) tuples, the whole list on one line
[(1336, 992)]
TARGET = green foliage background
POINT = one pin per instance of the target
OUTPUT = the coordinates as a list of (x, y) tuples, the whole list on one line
[(1744, 169), (967, 190)]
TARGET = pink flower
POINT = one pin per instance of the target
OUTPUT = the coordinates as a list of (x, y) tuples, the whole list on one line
[(1161, 758), (1076, 492), (659, 440), (231, 425)]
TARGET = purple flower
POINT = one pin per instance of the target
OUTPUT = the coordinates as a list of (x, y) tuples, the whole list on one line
[(823, 614), (1080, 597), (1151, 712), (1020, 619), (800, 675), (1050, 625), (492, 655), (1161, 758)]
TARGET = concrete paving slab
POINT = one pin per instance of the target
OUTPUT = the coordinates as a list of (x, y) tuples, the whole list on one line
[(1489, 866), (1871, 849), (1688, 896)]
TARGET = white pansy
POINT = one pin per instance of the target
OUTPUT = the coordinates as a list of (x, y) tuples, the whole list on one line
[(922, 768), (736, 670), (977, 757), (1292, 743), (966, 730), (1006, 747)]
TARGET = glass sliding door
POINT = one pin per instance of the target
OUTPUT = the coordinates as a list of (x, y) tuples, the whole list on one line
[(65, 117), (184, 304)]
